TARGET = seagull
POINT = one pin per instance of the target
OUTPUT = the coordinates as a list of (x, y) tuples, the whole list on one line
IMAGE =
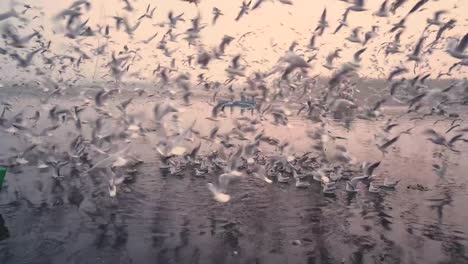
[(216, 14), (294, 62), (57, 167), (235, 69), (196, 2), (384, 146), (357, 56), (383, 11), (149, 13), (128, 6), (147, 41), (343, 21), (322, 24), (438, 139), (436, 20), (397, 4), (224, 43), (368, 173), (17, 41), (330, 58), (174, 19), (286, 2), (311, 45), (131, 29), (244, 10), (79, 3), (329, 188), (394, 46), (24, 63), (223, 181), (446, 26), (351, 186), (400, 24), (8, 14), (218, 195), (370, 35), (373, 189), (389, 183), (457, 50), (368, 168), (257, 4), (397, 71), (417, 6), (415, 56), (354, 37), (358, 6)]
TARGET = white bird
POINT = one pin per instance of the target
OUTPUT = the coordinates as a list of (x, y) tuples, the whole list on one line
[(436, 19), (373, 189), (383, 11), (351, 185), (295, 60), (354, 37), (78, 3), (358, 6), (343, 21), (389, 183), (244, 10), (216, 14), (114, 181), (415, 55), (312, 45), (128, 6), (368, 170), (16, 40), (318, 174), (112, 160), (330, 58), (370, 34), (219, 192), (322, 24), (23, 63), (8, 14), (262, 177), (458, 50), (282, 179)]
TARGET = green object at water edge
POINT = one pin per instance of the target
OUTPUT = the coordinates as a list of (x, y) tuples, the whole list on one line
[(3, 172)]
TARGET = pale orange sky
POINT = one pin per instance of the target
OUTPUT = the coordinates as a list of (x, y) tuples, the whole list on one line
[(274, 24)]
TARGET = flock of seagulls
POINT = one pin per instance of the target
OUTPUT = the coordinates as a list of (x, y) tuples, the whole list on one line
[(268, 95)]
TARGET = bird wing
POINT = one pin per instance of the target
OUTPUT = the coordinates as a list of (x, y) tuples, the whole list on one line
[(358, 54), (463, 43), (417, 6), (371, 168), (389, 143), (417, 49), (383, 7), (324, 15)]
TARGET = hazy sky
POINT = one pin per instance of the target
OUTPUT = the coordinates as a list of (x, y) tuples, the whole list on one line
[(275, 26)]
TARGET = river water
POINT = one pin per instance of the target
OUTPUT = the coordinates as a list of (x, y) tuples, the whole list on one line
[(173, 219)]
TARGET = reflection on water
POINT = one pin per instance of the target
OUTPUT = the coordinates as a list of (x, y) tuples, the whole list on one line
[(173, 219), (3, 229)]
